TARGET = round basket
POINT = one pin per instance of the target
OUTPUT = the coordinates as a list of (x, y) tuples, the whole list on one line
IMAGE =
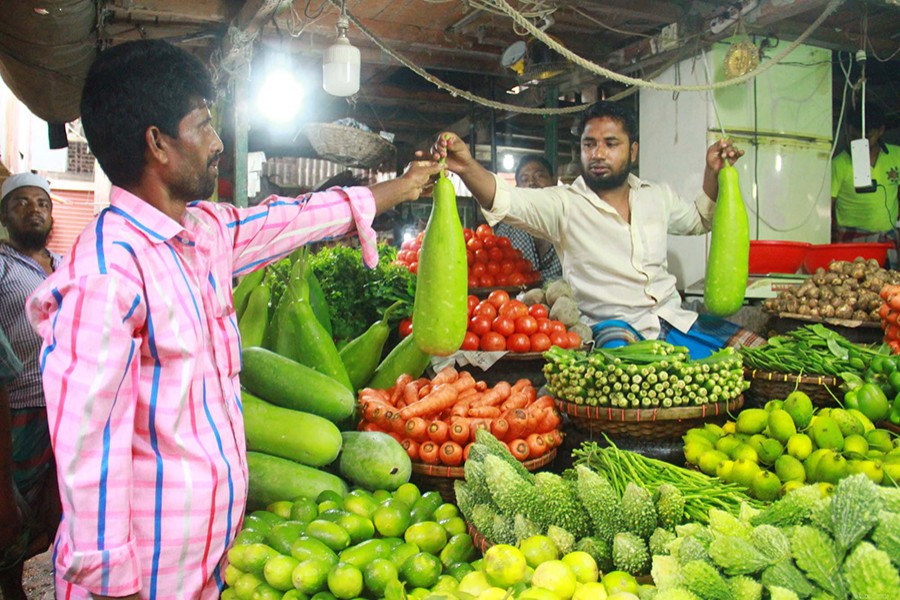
[(349, 146), (440, 478), (655, 423), (480, 542), (768, 385)]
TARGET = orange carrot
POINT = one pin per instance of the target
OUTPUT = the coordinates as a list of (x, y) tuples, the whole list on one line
[(469, 395), (459, 432), (460, 409), (549, 420), (438, 432), (516, 400), (494, 396), (521, 384), (424, 390), (537, 445), (402, 380), (892, 318), (883, 311), (410, 393), (441, 397), (485, 412), (518, 422), (500, 428), (519, 449), (894, 300), (417, 429), (446, 375), (543, 402), (481, 386)]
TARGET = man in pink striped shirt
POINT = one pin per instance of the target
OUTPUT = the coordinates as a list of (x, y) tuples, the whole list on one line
[(141, 348)]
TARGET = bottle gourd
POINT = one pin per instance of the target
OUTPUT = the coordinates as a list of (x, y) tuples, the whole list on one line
[(729, 249), (440, 311)]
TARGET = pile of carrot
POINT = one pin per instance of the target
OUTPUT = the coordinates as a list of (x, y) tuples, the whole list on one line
[(436, 419), (890, 316)]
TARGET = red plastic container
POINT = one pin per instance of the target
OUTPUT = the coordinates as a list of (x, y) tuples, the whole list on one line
[(820, 255), (775, 256)]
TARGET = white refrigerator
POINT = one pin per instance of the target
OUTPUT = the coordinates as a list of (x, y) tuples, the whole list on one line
[(782, 120)]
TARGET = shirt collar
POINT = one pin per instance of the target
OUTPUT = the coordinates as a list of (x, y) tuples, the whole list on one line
[(634, 182), (153, 223)]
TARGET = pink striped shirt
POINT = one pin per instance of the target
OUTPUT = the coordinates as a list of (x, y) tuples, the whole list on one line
[(140, 369)]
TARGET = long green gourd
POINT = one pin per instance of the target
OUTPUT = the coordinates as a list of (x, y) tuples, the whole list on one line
[(300, 336), (729, 249), (252, 324), (404, 358), (362, 355), (242, 291), (440, 312)]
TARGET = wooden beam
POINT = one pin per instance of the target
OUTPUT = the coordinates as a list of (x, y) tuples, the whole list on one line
[(244, 28)]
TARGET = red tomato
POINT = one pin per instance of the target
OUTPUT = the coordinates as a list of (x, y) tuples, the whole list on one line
[(490, 242), (414, 267), (559, 339), (526, 325), (523, 265), (503, 242), (473, 281), (488, 280), (498, 298), (493, 268), (479, 324), (538, 311), (545, 326), (467, 233), (405, 327), (574, 339), (493, 341), (502, 280), (495, 253), (474, 244), (504, 326), (484, 230), (479, 269), (517, 279), (557, 326), (540, 342), (487, 309), (516, 309), (416, 247), (482, 256), (471, 341), (470, 257), (472, 302), (420, 237), (507, 266), (518, 342), (406, 245)]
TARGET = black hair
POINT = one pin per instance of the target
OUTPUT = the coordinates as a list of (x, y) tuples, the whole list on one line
[(133, 86), (874, 117), (616, 112), (533, 158)]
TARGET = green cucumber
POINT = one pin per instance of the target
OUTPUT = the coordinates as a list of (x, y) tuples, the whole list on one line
[(241, 294), (440, 312), (308, 439), (273, 478), (289, 384), (252, 324), (362, 354), (729, 249), (404, 358), (374, 460)]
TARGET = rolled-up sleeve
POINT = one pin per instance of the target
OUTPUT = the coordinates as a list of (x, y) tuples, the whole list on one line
[(90, 367), (278, 225), (689, 218), (540, 212)]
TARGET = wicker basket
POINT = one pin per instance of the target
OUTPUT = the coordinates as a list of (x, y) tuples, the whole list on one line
[(349, 146), (646, 423), (440, 478), (768, 385)]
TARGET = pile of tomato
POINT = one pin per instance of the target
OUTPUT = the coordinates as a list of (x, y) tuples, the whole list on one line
[(500, 323), (492, 260)]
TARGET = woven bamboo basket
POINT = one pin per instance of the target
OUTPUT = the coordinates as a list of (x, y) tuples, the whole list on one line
[(440, 478), (768, 385), (349, 146), (654, 423)]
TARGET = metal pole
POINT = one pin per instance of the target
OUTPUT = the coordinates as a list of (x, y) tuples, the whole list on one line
[(241, 84), (551, 127)]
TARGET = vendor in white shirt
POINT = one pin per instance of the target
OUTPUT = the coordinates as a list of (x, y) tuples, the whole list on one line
[(609, 228)]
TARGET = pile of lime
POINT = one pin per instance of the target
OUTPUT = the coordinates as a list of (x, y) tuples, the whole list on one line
[(788, 443), (363, 545), (535, 571)]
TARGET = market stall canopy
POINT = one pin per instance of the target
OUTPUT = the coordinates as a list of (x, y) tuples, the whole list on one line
[(476, 46)]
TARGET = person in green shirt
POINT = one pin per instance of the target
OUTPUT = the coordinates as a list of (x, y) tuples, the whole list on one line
[(866, 216)]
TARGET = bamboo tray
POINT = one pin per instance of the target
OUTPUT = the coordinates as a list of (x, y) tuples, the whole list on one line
[(655, 423), (440, 478), (769, 385)]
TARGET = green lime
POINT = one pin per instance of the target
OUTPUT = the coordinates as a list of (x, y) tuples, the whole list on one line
[(800, 407), (880, 439), (781, 425), (311, 576), (445, 583), (459, 570), (345, 581), (710, 459), (583, 565), (473, 583), (752, 420), (538, 549), (377, 574), (765, 486), (855, 446), (279, 570), (504, 565), (743, 472), (245, 585), (537, 593), (453, 526), (727, 444), (402, 552), (331, 534), (381, 495), (799, 446), (869, 468), (620, 581), (421, 570), (360, 528), (329, 495), (445, 511), (556, 576), (408, 493), (392, 518), (307, 548), (590, 591), (231, 575), (327, 505), (362, 505), (304, 510), (427, 535), (789, 468), (266, 592), (282, 508)]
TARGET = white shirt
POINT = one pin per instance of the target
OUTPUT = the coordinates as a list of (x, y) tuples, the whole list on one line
[(617, 270)]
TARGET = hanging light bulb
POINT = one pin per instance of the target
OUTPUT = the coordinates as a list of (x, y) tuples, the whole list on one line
[(340, 66)]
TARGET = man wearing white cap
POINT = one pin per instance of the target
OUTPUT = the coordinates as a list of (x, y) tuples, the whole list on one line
[(29, 501)]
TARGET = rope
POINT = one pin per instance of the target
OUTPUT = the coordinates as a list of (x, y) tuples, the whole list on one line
[(589, 66)]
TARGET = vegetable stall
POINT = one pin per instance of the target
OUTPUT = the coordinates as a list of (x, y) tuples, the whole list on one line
[(381, 470)]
